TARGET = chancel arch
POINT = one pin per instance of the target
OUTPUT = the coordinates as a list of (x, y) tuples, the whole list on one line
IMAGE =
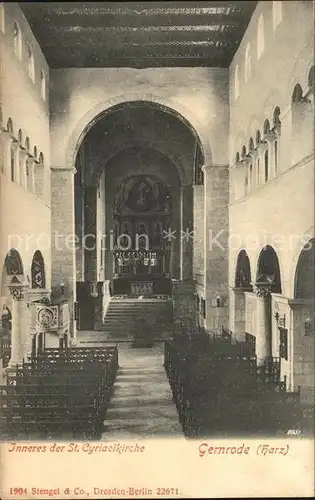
[(136, 169), (169, 106)]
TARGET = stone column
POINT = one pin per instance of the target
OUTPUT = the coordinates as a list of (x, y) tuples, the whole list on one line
[(186, 250), (237, 313), (184, 308), (260, 163), (8, 141), (216, 251), (16, 149), (198, 231), (63, 258), (22, 167), (271, 138), (90, 253), (19, 322), (263, 323), (31, 173)]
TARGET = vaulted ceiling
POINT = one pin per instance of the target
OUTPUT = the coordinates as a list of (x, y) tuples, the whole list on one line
[(138, 34)]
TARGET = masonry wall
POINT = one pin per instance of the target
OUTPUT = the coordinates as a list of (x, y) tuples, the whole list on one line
[(278, 211), (21, 212), (281, 211), (285, 61)]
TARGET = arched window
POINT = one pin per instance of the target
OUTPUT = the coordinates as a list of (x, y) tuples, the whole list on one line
[(1, 155), (10, 126), (277, 130), (20, 136), (276, 156), (17, 40), (12, 163), (276, 119), (30, 63), (276, 13), (27, 144), (251, 148), (258, 137), (266, 157), (311, 78), (297, 95), (266, 127), (2, 21), (248, 63), (43, 85), (260, 36), (237, 82), (35, 152), (243, 152)]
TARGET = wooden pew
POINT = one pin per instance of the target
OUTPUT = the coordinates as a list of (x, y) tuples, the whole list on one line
[(61, 391), (219, 391)]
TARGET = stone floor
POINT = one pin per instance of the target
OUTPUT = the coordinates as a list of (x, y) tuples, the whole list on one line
[(142, 405)]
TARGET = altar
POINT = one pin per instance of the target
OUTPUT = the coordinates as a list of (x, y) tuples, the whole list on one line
[(141, 288)]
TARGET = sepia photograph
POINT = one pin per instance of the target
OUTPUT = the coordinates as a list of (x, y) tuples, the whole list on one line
[(157, 248)]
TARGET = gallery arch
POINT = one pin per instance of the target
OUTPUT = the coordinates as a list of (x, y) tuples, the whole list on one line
[(303, 323), (242, 284), (13, 306)]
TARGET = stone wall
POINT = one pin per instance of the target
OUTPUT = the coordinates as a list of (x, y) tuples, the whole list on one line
[(24, 217)]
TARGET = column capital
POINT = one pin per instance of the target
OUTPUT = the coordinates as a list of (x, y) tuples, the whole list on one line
[(18, 292), (253, 154), (271, 136), (17, 287), (262, 291), (261, 147), (30, 159)]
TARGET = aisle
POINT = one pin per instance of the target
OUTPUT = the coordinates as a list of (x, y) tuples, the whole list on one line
[(142, 405)]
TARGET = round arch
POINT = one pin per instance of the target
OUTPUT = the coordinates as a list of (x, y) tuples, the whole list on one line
[(300, 69), (304, 286), (166, 105), (145, 145), (13, 263), (268, 266), (38, 271), (242, 272)]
